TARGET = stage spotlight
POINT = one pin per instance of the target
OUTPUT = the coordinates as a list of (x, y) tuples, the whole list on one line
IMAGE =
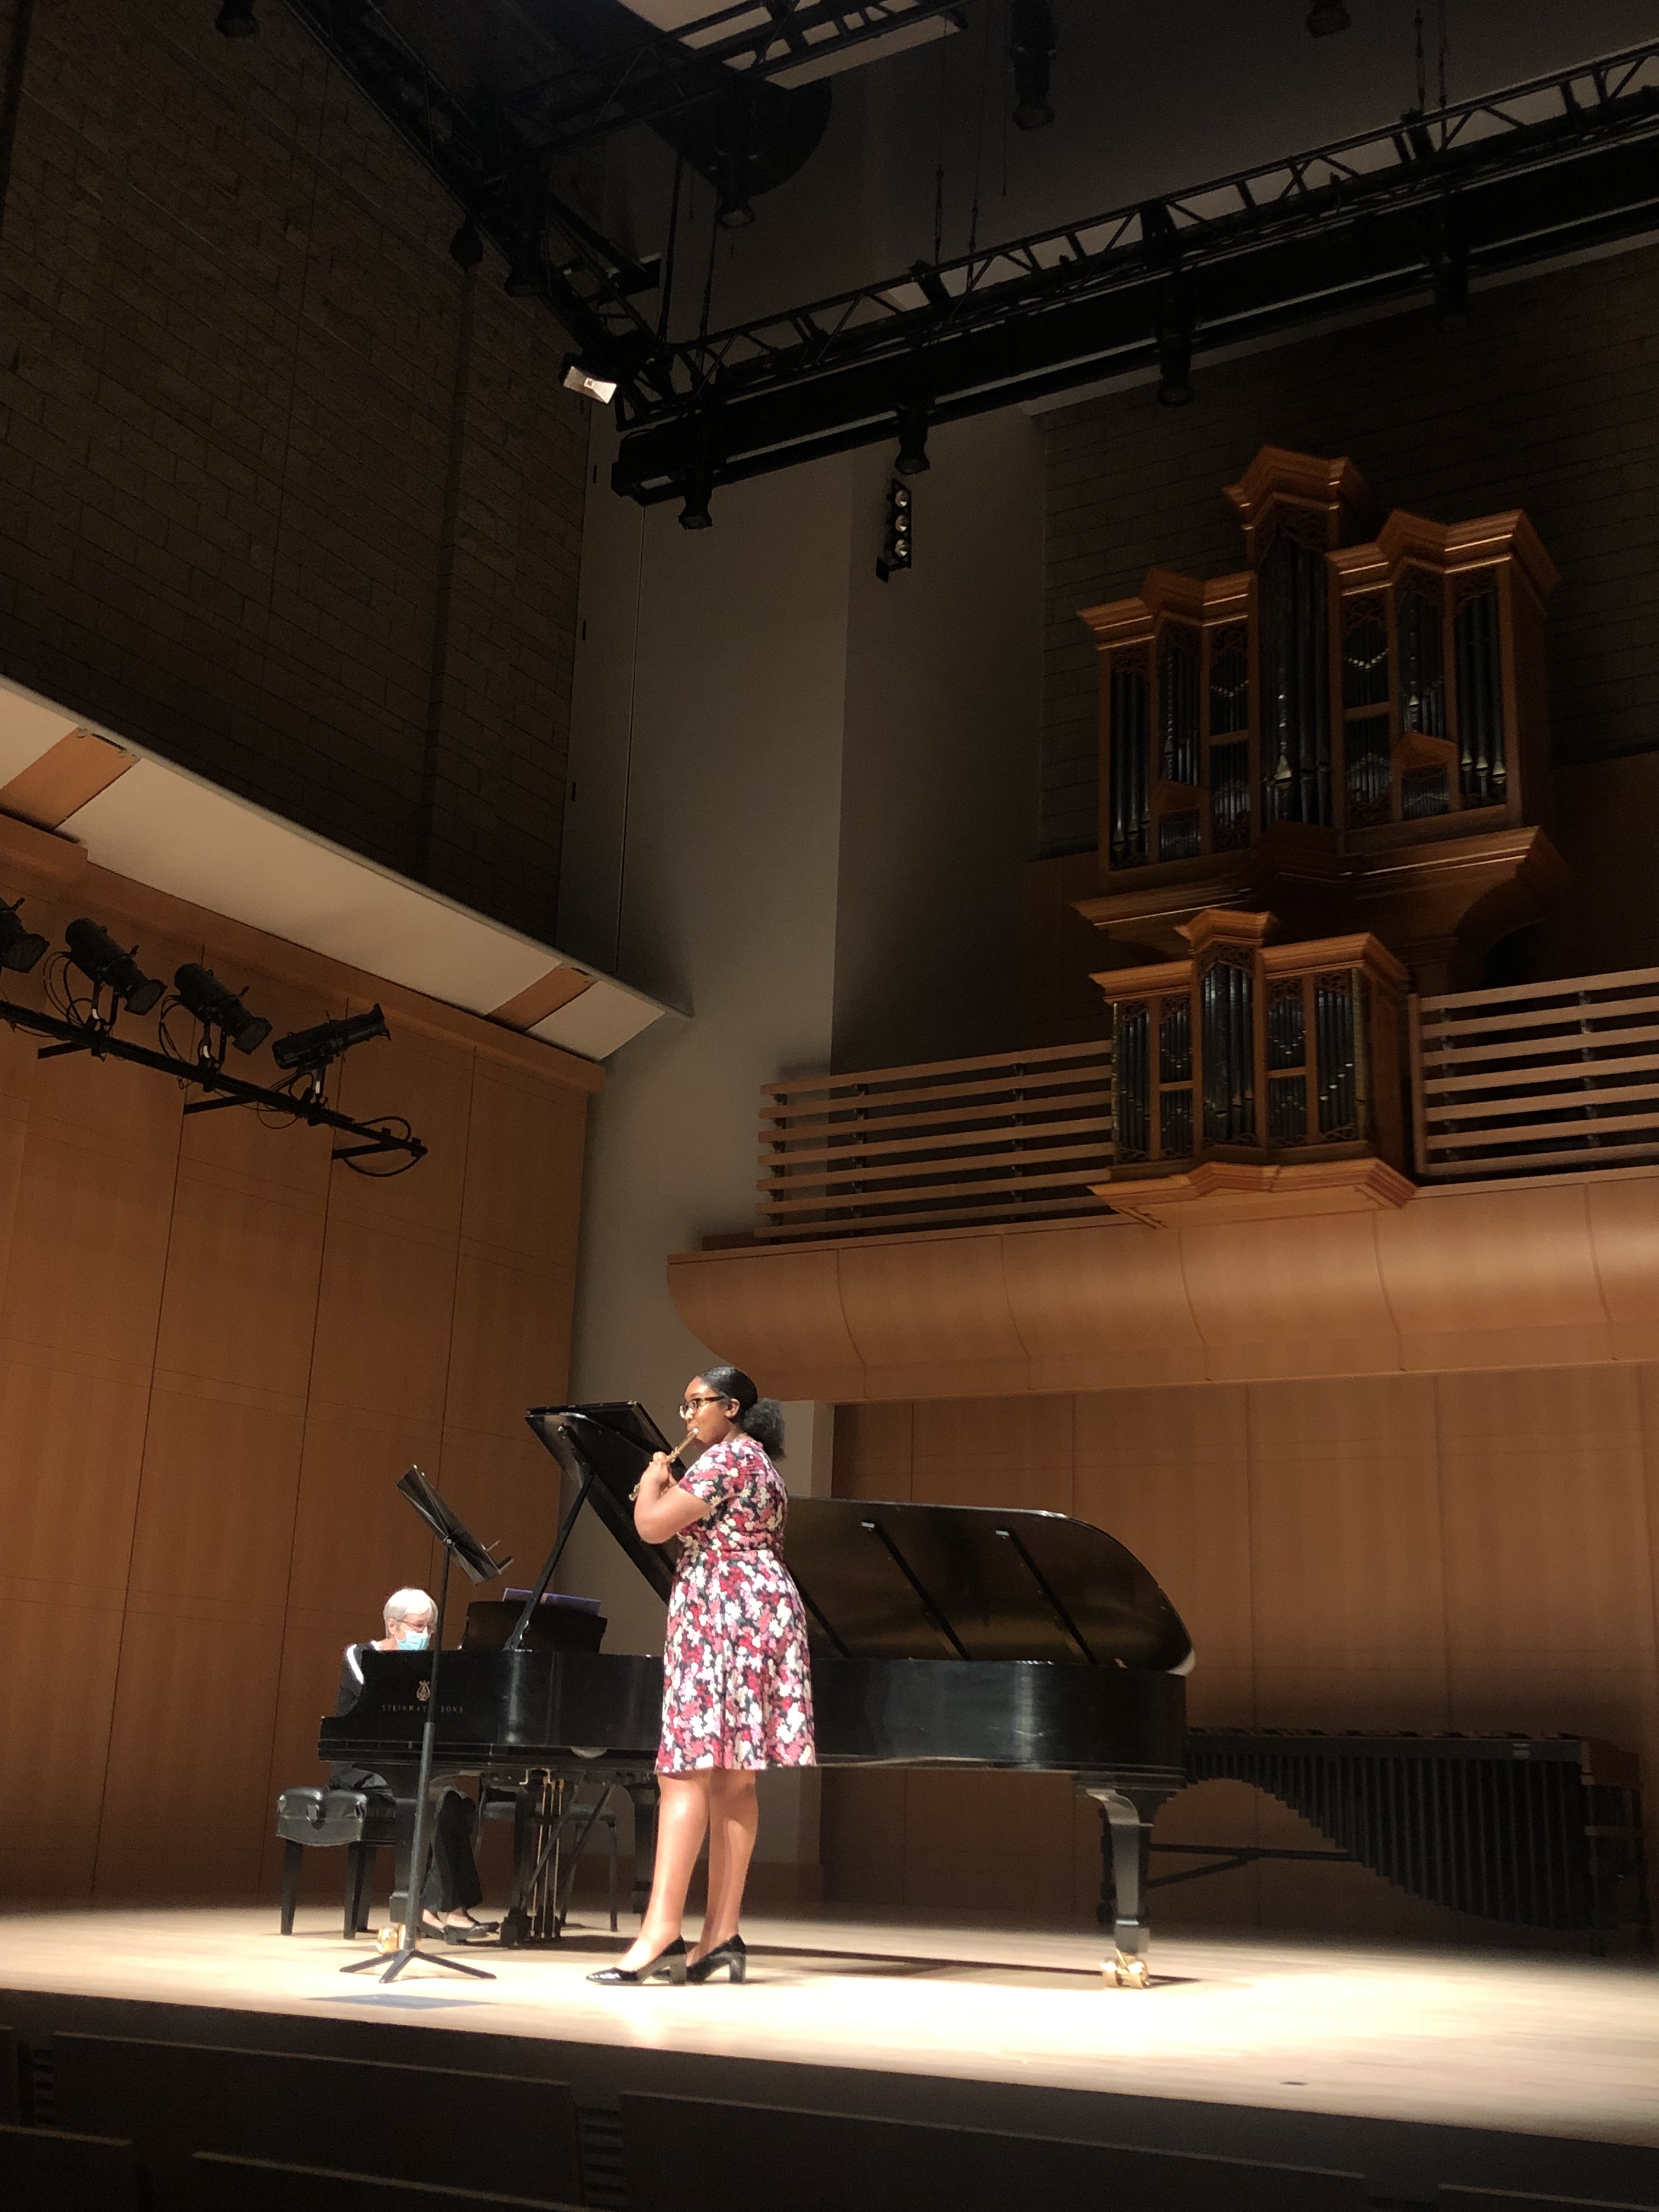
[(1451, 290), (216, 1007), (733, 210), (911, 442), (527, 268), (102, 960), (1174, 369), (1032, 42), (19, 948), (1448, 266), (695, 514), (236, 20), (466, 247), (1173, 336), (310, 1051), (898, 550), (578, 376), (1326, 16)]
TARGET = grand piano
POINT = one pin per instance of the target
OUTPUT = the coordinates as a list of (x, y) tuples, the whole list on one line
[(942, 1635)]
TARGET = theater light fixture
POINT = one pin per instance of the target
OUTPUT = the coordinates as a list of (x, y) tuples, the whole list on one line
[(102, 962), (1174, 352), (1326, 16), (913, 459), (579, 376), (694, 515), (308, 1052), (898, 536), (216, 1007), (19, 948), (236, 20), (1032, 42), (467, 246)]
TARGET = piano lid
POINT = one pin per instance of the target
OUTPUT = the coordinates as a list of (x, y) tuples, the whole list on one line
[(609, 1446), (963, 1582), (908, 1582)]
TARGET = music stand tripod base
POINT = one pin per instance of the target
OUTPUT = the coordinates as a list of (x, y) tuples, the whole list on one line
[(458, 1542)]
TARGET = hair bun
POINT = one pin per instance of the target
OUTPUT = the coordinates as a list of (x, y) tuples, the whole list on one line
[(764, 1422), (757, 1417)]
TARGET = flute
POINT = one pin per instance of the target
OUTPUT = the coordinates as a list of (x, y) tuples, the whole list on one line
[(673, 1456)]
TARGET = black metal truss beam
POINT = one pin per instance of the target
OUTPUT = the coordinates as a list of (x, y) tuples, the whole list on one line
[(493, 156), (1556, 165), (373, 1139), (493, 173), (757, 40)]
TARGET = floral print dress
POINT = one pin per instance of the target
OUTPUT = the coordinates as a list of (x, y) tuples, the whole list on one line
[(737, 1687)]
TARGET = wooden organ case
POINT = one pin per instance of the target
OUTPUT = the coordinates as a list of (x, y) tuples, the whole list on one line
[(1349, 733), (1323, 779)]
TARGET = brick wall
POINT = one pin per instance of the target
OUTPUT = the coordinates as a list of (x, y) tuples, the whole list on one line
[(1548, 399), (282, 494)]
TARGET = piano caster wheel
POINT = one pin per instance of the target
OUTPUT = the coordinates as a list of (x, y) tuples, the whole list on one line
[(391, 1937), (1129, 1974)]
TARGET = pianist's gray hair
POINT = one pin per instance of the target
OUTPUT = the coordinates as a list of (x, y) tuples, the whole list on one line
[(409, 1605), (757, 1417)]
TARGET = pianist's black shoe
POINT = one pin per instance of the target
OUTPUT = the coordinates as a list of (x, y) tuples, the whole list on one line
[(670, 1961), (731, 1957)]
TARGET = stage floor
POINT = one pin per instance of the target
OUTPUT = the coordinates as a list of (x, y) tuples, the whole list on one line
[(1540, 2045)]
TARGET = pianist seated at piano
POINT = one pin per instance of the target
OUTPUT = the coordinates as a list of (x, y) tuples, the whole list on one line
[(452, 1887), (737, 1679)]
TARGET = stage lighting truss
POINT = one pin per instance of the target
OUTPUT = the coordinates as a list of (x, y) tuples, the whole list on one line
[(1560, 164), (86, 1022)]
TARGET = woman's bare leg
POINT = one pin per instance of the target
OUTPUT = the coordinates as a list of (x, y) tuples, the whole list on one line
[(733, 1812), (681, 1820)]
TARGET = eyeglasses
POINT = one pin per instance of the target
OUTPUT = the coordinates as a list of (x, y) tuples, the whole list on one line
[(693, 1406)]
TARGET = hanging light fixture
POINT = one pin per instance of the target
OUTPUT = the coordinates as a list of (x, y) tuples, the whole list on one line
[(216, 1007), (913, 459), (19, 948), (466, 247), (694, 513), (580, 376), (309, 1051), (107, 968)]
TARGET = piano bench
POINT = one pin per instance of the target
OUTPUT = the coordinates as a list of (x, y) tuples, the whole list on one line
[(308, 1819)]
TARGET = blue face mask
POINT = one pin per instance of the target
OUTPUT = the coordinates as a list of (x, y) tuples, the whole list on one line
[(414, 1639)]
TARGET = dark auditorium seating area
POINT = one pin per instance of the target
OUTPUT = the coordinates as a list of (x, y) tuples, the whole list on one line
[(100, 2122)]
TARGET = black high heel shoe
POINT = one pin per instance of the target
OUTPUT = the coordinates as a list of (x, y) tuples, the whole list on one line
[(670, 1961), (732, 1955)]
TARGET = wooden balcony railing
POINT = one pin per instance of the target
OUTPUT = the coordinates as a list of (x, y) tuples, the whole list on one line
[(1538, 1077), (1534, 1079), (1013, 1137)]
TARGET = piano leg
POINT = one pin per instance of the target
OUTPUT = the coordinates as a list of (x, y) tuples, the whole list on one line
[(644, 1796), (1126, 1816), (516, 1924)]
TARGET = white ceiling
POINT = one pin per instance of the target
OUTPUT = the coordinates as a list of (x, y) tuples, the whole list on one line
[(674, 15), (178, 833)]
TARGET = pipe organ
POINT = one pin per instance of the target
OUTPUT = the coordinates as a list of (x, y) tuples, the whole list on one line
[(1323, 779), (1350, 732), (1253, 1075)]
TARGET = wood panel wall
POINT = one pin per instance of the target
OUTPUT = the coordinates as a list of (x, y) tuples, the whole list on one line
[(1471, 1551), (218, 1350)]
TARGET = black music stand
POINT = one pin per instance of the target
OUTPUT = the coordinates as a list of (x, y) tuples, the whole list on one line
[(458, 1543)]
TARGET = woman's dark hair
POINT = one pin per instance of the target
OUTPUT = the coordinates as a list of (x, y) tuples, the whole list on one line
[(757, 1417)]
